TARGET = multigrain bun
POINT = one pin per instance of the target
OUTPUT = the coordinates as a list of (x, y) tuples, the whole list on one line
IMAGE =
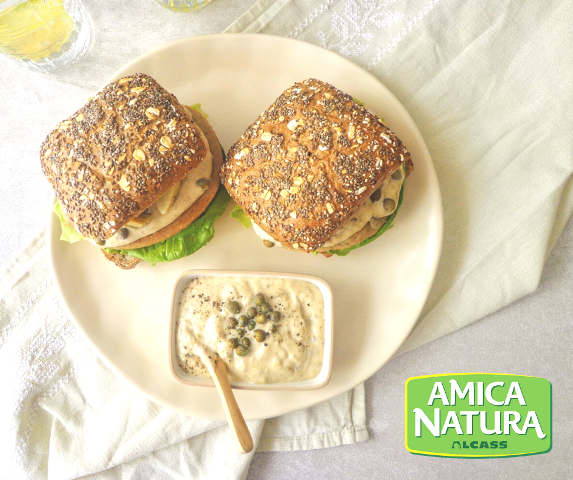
[(309, 162), (119, 153), (199, 206)]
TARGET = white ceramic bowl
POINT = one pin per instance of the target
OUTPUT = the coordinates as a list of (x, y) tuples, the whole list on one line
[(317, 382)]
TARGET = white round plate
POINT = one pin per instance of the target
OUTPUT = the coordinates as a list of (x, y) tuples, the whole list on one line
[(379, 290)]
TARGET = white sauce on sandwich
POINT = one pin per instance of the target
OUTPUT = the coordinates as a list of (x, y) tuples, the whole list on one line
[(368, 210), (363, 215), (295, 352)]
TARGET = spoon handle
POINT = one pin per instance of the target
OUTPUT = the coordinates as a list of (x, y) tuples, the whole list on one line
[(241, 434)]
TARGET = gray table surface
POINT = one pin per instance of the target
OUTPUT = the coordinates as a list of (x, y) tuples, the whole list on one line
[(531, 337)]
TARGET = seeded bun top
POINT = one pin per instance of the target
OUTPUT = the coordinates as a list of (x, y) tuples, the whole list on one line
[(198, 206), (308, 162), (119, 153)]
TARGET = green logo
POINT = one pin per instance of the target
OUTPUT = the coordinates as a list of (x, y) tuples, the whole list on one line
[(477, 415)]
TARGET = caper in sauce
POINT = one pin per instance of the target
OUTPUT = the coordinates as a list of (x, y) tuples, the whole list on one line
[(275, 316), (397, 175), (273, 328), (389, 204), (376, 195), (203, 183), (268, 243), (251, 325), (375, 223), (246, 342), (251, 312), (233, 342), (259, 335), (240, 332), (233, 307), (265, 308), (261, 318), (231, 322), (243, 320), (123, 233), (259, 299), (241, 350)]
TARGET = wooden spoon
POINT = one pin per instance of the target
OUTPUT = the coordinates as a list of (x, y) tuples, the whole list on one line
[(239, 429)]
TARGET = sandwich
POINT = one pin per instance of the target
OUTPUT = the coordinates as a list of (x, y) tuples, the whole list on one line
[(136, 173), (317, 172)]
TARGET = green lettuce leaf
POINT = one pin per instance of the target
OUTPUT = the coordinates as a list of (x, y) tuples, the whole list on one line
[(386, 226), (238, 214), (188, 240), (69, 234), (197, 106)]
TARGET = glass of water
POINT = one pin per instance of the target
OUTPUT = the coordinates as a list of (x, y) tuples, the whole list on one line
[(44, 35)]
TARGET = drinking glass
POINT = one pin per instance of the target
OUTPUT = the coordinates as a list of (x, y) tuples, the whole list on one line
[(44, 35)]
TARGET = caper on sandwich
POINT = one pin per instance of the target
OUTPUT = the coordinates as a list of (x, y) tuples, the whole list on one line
[(136, 173), (317, 171)]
